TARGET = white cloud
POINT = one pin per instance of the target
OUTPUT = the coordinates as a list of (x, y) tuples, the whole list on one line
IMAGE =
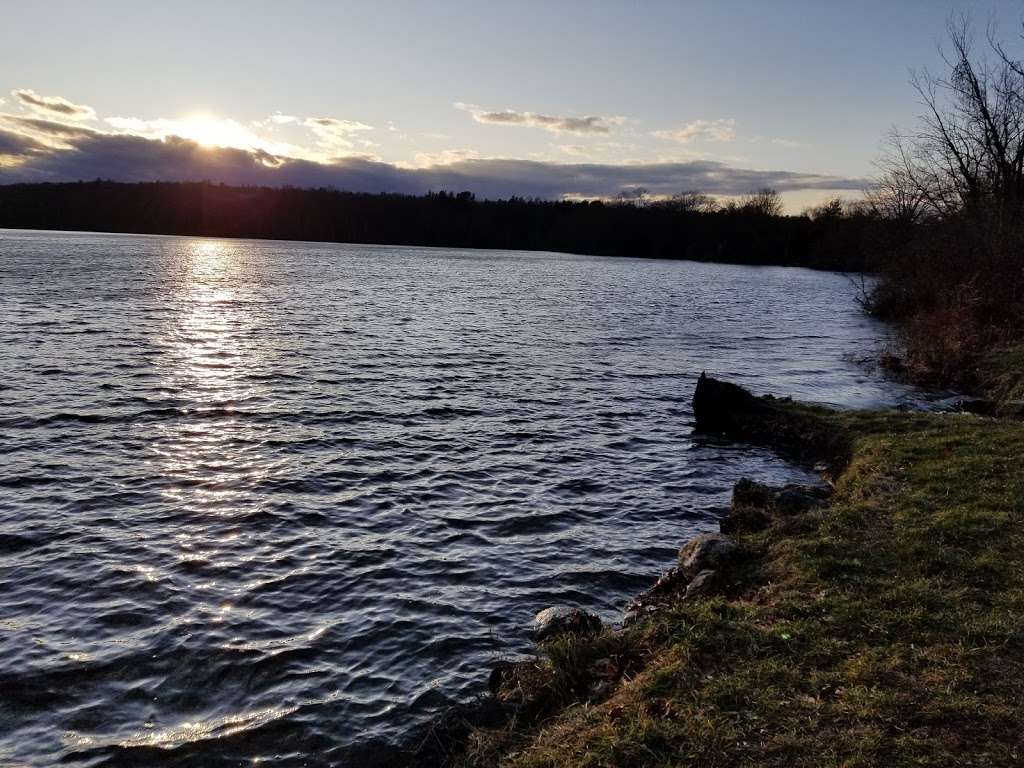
[(588, 124), (444, 157), (271, 123), (573, 150), (334, 135), (52, 106), (723, 129)]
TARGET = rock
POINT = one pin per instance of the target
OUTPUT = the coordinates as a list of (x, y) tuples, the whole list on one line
[(744, 519), (979, 406), (561, 620), (821, 492), (708, 551), (669, 585), (636, 612), (795, 500), (728, 410), (1013, 409), (749, 493), (670, 581), (703, 584), (717, 405)]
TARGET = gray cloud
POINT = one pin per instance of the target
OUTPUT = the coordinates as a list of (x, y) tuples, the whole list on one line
[(578, 125), (17, 145), (120, 157), (54, 105), (37, 126)]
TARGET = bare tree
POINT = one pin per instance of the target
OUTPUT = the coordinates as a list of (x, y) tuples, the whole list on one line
[(895, 196), (967, 153), (690, 202), (765, 202)]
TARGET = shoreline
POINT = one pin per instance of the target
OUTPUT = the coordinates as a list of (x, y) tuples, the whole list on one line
[(722, 661)]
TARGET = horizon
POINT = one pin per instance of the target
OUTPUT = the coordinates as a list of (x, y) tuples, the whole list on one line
[(571, 102)]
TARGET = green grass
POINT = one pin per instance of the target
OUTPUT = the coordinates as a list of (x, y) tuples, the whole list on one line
[(885, 630), (1002, 374)]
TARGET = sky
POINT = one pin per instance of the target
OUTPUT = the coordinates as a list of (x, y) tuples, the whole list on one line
[(553, 99)]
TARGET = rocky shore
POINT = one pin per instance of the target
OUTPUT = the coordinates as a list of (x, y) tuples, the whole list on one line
[(733, 613), (524, 692)]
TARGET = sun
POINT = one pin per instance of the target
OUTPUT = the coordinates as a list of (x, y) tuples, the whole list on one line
[(213, 131)]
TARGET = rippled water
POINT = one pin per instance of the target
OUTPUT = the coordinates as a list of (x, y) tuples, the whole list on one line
[(287, 500)]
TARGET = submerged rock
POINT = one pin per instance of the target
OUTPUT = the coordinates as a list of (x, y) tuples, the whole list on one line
[(707, 552), (561, 620)]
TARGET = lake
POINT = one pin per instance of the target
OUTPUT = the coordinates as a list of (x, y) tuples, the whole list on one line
[(288, 500)]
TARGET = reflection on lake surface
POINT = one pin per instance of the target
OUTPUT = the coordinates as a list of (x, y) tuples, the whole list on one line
[(286, 500)]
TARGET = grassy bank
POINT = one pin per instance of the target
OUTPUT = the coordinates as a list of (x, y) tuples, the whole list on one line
[(884, 629)]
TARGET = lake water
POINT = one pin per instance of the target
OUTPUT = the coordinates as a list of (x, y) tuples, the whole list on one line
[(288, 500)]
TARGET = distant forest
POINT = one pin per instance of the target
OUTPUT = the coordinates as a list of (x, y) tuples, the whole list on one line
[(690, 226)]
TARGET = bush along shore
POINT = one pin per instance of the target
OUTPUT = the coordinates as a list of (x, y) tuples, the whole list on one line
[(876, 620)]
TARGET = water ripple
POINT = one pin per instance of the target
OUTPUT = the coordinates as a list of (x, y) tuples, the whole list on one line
[(284, 501)]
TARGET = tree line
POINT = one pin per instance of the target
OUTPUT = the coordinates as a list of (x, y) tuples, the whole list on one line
[(750, 230)]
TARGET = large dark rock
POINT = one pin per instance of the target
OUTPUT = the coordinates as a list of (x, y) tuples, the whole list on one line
[(707, 552), (560, 620), (728, 410), (720, 407)]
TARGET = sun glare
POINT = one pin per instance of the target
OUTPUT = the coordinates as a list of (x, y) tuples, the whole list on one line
[(211, 131)]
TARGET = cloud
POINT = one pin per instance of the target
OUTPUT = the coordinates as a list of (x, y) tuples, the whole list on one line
[(723, 129), (334, 135), (53, 105), (14, 146), (445, 157), (45, 134), (90, 154), (590, 124), (573, 150)]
